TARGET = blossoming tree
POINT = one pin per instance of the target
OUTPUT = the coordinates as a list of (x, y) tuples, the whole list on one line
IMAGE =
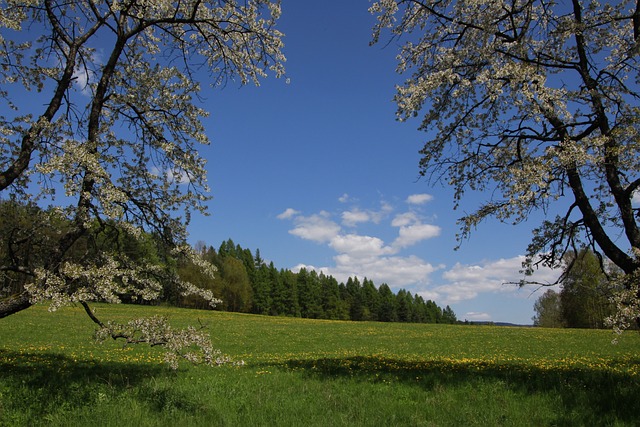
[(535, 104), (101, 120)]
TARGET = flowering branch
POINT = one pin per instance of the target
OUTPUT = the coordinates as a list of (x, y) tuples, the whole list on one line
[(191, 344)]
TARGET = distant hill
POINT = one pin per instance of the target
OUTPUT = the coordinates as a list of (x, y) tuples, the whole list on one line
[(489, 323)]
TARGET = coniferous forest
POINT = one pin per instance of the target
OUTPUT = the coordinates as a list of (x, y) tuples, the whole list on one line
[(246, 283)]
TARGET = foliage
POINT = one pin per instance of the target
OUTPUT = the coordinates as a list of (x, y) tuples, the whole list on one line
[(586, 297), (534, 104), (307, 293), (548, 309), (315, 373), (26, 237), (31, 235), (236, 289), (115, 145), (586, 291), (626, 304)]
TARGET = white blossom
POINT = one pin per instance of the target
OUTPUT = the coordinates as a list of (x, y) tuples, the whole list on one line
[(528, 103), (121, 147)]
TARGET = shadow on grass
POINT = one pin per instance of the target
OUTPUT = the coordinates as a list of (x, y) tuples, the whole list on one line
[(35, 386), (586, 396)]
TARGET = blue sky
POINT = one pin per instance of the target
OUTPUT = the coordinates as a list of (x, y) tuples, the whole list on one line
[(315, 171)]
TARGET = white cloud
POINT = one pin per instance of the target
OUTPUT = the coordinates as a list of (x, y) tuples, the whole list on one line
[(385, 210), (352, 218), (344, 198), (419, 199), (465, 282), (81, 80), (83, 76), (179, 177), (308, 267), (288, 214), (428, 294), (355, 216), (473, 316), (365, 255), (411, 234), (635, 200), (405, 219), (359, 246), (396, 271), (318, 228)]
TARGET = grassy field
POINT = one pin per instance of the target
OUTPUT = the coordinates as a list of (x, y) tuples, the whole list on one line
[(316, 373)]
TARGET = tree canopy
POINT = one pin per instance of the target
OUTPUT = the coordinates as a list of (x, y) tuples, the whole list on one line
[(548, 309), (112, 139), (533, 103), (585, 297), (586, 291)]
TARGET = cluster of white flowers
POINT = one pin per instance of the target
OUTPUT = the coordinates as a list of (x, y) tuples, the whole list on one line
[(205, 267), (104, 282), (627, 310), (14, 14), (190, 344), (626, 302)]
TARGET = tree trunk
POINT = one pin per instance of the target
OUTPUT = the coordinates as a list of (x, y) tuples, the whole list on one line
[(14, 304)]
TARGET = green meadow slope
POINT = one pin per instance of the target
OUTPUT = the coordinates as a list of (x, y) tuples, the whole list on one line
[(298, 372)]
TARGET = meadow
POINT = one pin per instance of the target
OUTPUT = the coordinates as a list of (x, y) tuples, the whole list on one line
[(300, 372)]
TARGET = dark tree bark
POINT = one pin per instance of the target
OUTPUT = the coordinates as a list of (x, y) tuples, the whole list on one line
[(14, 304)]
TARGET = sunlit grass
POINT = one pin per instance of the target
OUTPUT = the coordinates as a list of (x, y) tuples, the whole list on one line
[(312, 372)]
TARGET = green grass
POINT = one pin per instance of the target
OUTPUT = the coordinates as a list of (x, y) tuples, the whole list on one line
[(316, 373)]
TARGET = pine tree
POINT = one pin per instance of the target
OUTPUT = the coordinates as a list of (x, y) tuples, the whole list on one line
[(387, 311)]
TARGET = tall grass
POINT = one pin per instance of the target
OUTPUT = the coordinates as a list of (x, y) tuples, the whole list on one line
[(316, 373)]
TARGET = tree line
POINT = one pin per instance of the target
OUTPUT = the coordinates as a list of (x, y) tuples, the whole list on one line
[(244, 281), (247, 283)]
